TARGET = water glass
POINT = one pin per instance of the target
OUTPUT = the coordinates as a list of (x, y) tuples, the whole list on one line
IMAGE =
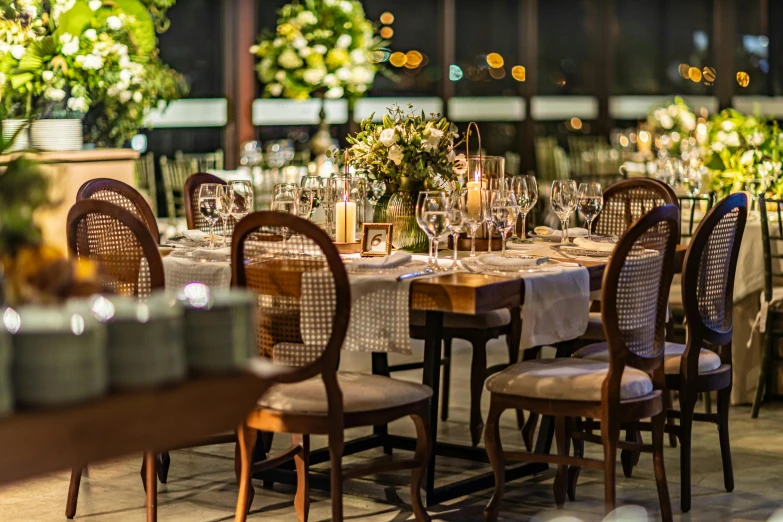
[(473, 215), (316, 186), (503, 210), (458, 215), (564, 199), (691, 180), (375, 189), (433, 217), (208, 205), (243, 199), (520, 189), (591, 202), (225, 203), (285, 199)]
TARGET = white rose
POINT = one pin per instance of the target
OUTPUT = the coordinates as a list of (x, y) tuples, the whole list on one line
[(254, 49), (77, 104), (47, 76), (277, 42), (346, 6), (344, 73), (718, 146), (17, 51), (727, 126), (732, 140), (275, 89), (314, 76), (666, 121), (334, 92), (435, 136), (460, 164), (747, 157), (306, 18), (289, 59), (55, 94), (299, 43), (95, 4), (757, 139), (114, 23), (65, 38), (31, 11), (92, 61), (137, 97), (125, 96), (395, 154), (71, 47), (688, 121), (320, 49), (362, 75), (304, 52), (280, 76), (91, 34), (358, 56), (388, 137), (344, 41), (330, 80), (125, 76)]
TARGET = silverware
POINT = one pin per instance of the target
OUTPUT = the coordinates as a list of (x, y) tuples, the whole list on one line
[(411, 275)]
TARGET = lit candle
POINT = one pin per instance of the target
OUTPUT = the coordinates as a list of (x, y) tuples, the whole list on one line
[(474, 198), (345, 213)]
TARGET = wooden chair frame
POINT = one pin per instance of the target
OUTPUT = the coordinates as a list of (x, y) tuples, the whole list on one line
[(93, 186), (611, 410), (333, 424), (190, 194), (665, 192)]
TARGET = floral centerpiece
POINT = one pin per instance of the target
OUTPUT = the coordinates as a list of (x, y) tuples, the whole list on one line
[(96, 60), (744, 154), (319, 47), (671, 123), (409, 153)]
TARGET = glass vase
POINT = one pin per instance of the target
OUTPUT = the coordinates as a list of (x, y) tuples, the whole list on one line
[(398, 207)]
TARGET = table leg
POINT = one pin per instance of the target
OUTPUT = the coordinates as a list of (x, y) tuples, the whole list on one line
[(431, 378)]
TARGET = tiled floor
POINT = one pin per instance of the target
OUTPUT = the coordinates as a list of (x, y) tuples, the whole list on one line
[(201, 483)]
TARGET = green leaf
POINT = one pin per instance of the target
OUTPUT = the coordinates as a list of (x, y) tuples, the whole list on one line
[(77, 19), (20, 79)]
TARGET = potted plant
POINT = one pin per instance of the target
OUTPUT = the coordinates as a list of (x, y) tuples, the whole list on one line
[(409, 153)]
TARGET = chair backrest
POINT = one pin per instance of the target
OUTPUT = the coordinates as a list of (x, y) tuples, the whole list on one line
[(192, 213), (145, 178), (635, 292), (628, 200), (122, 195), (120, 243), (204, 160), (693, 207), (772, 241), (708, 274), (303, 302), (174, 173)]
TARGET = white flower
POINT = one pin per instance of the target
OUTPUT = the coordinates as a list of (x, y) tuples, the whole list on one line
[(91, 34), (460, 164), (727, 125), (125, 96), (320, 49), (95, 4), (747, 158), (346, 6), (717, 146), (395, 154), (343, 73), (31, 11), (125, 76), (362, 75), (253, 49), (77, 104), (299, 42), (70, 45), (435, 136), (2, 79), (756, 139), (330, 80), (304, 52), (137, 97), (343, 42), (666, 121), (388, 137), (732, 140), (334, 92), (306, 18), (17, 51), (314, 76), (688, 121), (280, 76), (275, 89), (54, 94), (330, 2), (358, 56), (277, 42), (289, 59), (92, 61), (114, 23)]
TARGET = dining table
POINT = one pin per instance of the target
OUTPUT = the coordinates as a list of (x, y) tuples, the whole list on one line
[(437, 294)]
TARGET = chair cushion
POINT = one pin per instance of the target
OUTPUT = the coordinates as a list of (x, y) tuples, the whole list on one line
[(565, 379), (361, 392), (672, 353), (491, 319)]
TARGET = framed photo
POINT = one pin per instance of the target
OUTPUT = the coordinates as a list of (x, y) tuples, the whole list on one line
[(376, 239)]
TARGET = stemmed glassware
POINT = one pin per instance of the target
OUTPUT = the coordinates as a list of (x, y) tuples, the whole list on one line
[(433, 217), (691, 180), (458, 214), (473, 217), (225, 202), (243, 199), (285, 199), (208, 205), (564, 198), (502, 206), (520, 186), (316, 186), (375, 190), (591, 202)]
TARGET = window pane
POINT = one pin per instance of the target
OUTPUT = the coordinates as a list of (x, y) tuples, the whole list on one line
[(565, 65), (752, 47)]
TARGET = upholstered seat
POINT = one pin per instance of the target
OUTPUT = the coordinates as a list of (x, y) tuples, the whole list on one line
[(672, 353), (566, 379), (361, 392), (493, 319)]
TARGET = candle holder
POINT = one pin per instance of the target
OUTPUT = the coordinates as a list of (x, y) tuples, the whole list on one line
[(484, 172), (348, 216)]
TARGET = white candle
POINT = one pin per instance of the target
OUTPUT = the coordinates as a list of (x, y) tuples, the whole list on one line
[(345, 216), (474, 198)]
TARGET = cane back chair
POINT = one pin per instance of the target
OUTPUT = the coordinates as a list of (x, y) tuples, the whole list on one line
[(122, 195), (144, 169), (622, 391), (302, 318), (194, 218)]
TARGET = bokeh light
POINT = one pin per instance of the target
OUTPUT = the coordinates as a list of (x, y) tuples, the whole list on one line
[(387, 18), (398, 59), (708, 73), (694, 73), (498, 74), (387, 32), (413, 59), (519, 73), (455, 73), (576, 123), (495, 61), (683, 69), (743, 79)]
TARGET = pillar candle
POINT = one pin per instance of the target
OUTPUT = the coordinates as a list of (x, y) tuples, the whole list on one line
[(474, 198), (345, 218)]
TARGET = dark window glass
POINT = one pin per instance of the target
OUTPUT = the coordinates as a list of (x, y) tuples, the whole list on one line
[(564, 61), (752, 52)]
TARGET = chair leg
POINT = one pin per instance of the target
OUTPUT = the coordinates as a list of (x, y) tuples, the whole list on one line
[(495, 454), (563, 438), (724, 399), (150, 459), (573, 471), (164, 462), (629, 458), (302, 462), (529, 430), (336, 448), (668, 404), (766, 362), (610, 435), (422, 456), (687, 404), (658, 428), (444, 400), (243, 466), (73, 492), (478, 374)]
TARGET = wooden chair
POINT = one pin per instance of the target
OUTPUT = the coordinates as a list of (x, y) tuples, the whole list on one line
[(204, 161), (770, 318), (625, 390), (192, 213), (144, 168), (315, 399), (174, 173), (691, 369), (122, 195)]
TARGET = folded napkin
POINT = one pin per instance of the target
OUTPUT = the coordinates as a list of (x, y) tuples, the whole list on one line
[(588, 244), (511, 262), (394, 260), (195, 235), (550, 232), (225, 251)]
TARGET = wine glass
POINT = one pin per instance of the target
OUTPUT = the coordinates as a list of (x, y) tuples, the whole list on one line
[(375, 190), (532, 187), (432, 215), (285, 199), (208, 206), (243, 199), (316, 186), (519, 186), (591, 202), (503, 209), (458, 213), (691, 180), (225, 202), (305, 199), (473, 217), (564, 201)]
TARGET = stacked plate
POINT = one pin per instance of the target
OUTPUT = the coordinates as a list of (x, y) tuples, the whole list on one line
[(6, 391), (22, 141), (219, 328), (57, 135), (59, 355)]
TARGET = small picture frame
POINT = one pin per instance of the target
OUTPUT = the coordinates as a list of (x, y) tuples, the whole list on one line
[(376, 239)]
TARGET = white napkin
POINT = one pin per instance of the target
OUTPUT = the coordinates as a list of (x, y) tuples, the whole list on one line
[(394, 260), (510, 262), (195, 235), (550, 232), (588, 244), (225, 251)]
